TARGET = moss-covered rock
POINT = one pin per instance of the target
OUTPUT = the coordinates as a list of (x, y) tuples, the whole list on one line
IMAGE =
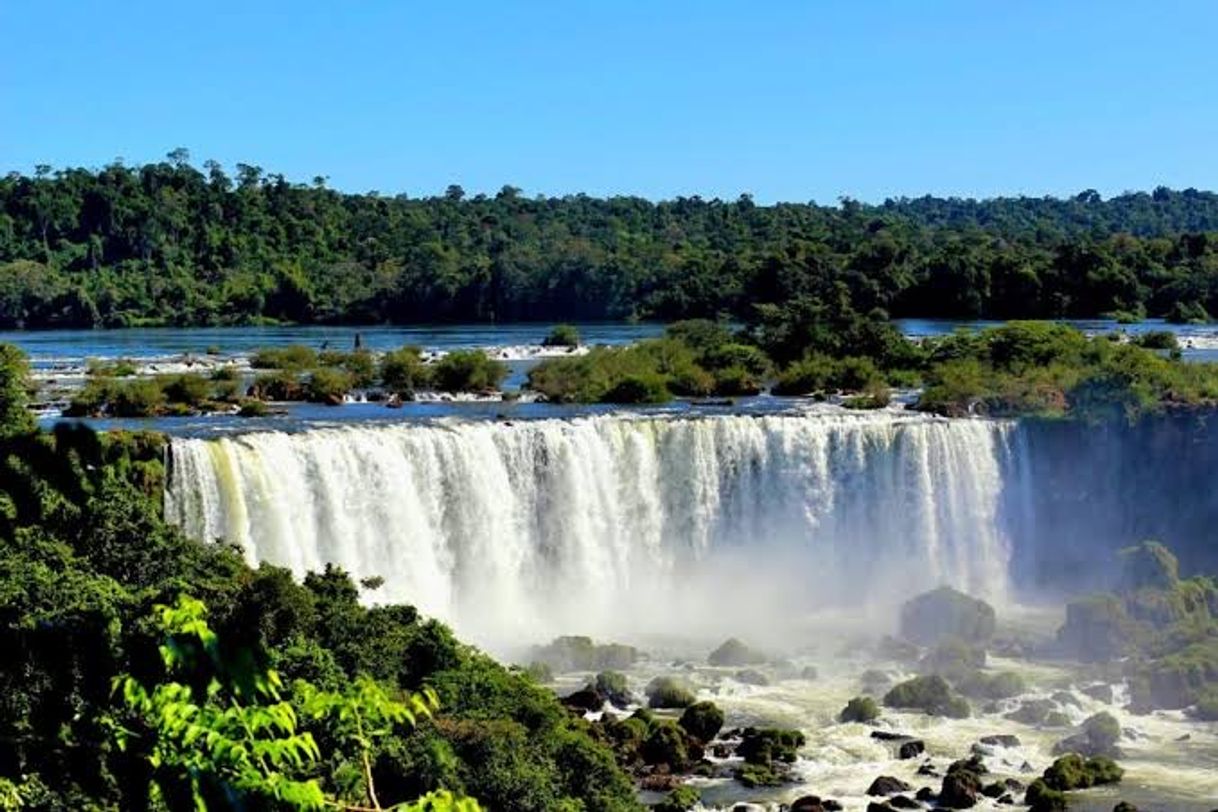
[(945, 613), (962, 784), (702, 720), (1148, 565), (733, 653), (1040, 797), (578, 653), (982, 685), (1097, 736), (768, 745), (931, 694), (860, 709), (666, 744), (1072, 771), (613, 686), (953, 658), (667, 692)]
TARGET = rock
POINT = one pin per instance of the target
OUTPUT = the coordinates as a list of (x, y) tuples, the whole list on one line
[(962, 784), (733, 653), (890, 648), (1056, 719), (660, 782), (928, 769), (931, 694), (809, 673), (702, 720), (945, 613), (1148, 565), (911, 749), (889, 736), (748, 808), (872, 806), (995, 790), (750, 676), (1007, 800), (887, 785), (1100, 692), (1124, 806), (903, 802), (860, 709), (1001, 740), (926, 795), (1097, 737), (666, 692), (874, 680), (808, 803), (831, 805), (1071, 772), (1031, 711), (613, 686), (666, 745), (1065, 698), (585, 699)]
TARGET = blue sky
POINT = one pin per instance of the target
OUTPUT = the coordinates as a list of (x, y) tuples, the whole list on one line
[(785, 100)]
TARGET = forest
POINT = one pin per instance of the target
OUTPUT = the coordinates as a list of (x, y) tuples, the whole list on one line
[(169, 243)]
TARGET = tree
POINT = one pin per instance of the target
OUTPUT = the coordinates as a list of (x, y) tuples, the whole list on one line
[(15, 416)]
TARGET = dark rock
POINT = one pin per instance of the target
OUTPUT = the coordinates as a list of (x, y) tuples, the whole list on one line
[(887, 785), (926, 795), (660, 781), (888, 736), (702, 720), (962, 784), (872, 806), (831, 805), (994, 790), (1124, 806), (809, 673), (928, 769), (1007, 800), (911, 749), (1031, 711), (1001, 740), (1014, 784), (808, 803), (585, 699), (1097, 737), (903, 802)]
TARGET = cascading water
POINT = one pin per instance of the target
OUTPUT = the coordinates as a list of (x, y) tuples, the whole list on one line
[(615, 524)]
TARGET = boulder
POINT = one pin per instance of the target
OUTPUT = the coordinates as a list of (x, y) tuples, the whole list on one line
[(1100, 692), (903, 802), (872, 806), (926, 795), (911, 749), (734, 653), (887, 785), (808, 803), (962, 784), (930, 694), (751, 676), (613, 686), (860, 709), (666, 692), (1097, 736), (1148, 565), (944, 613), (702, 720), (585, 699), (1001, 740)]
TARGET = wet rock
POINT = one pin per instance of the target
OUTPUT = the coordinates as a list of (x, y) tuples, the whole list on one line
[(809, 673), (875, 681), (1032, 711), (887, 785), (962, 784), (734, 653), (872, 806), (1097, 736), (808, 803), (1065, 698), (751, 676), (1001, 740), (945, 613), (1007, 800), (903, 802), (831, 805), (928, 769), (1100, 692), (1124, 806), (889, 736), (911, 749), (585, 699), (926, 795), (994, 790)]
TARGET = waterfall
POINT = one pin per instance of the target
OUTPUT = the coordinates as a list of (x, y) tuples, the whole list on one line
[(603, 524)]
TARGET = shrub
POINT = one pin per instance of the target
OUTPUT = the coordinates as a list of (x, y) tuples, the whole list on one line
[(328, 385), (403, 371), (613, 686), (665, 744), (805, 377), (294, 357), (359, 364), (681, 799), (639, 388), (121, 368), (578, 653), (702, 720), (189, 388), (1158, 340), (253, 408), (666, 692), (860, 709), (563, 335), (468, 371), (136, 398), (279, 385)]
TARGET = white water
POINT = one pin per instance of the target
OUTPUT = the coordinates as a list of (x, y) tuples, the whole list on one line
[(604, 525)]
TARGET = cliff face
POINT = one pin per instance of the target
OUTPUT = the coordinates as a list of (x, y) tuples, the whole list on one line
[(1075, 493)]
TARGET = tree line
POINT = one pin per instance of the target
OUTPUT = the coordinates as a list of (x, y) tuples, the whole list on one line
[(170, 243)]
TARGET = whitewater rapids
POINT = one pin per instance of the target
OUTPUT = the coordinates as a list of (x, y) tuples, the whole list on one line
[(513, 531)]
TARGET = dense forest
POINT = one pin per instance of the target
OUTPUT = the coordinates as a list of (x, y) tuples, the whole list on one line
[(169, 243)]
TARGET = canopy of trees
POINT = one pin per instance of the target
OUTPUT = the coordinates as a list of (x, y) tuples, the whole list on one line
[(168, 243)]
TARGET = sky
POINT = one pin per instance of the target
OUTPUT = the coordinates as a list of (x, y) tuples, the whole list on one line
[(784, 100)]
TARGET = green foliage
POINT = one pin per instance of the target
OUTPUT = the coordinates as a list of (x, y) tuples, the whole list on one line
[(563, 335), (328, 385), (15, 418), (980, 685), (953, 659), (468, 371), (578, 653), (1149, 565), (765, 746), (403, 371), (1072, 771), (1157, 340), (860, 709), (680, 799), (1040, 797), (292, 358)]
